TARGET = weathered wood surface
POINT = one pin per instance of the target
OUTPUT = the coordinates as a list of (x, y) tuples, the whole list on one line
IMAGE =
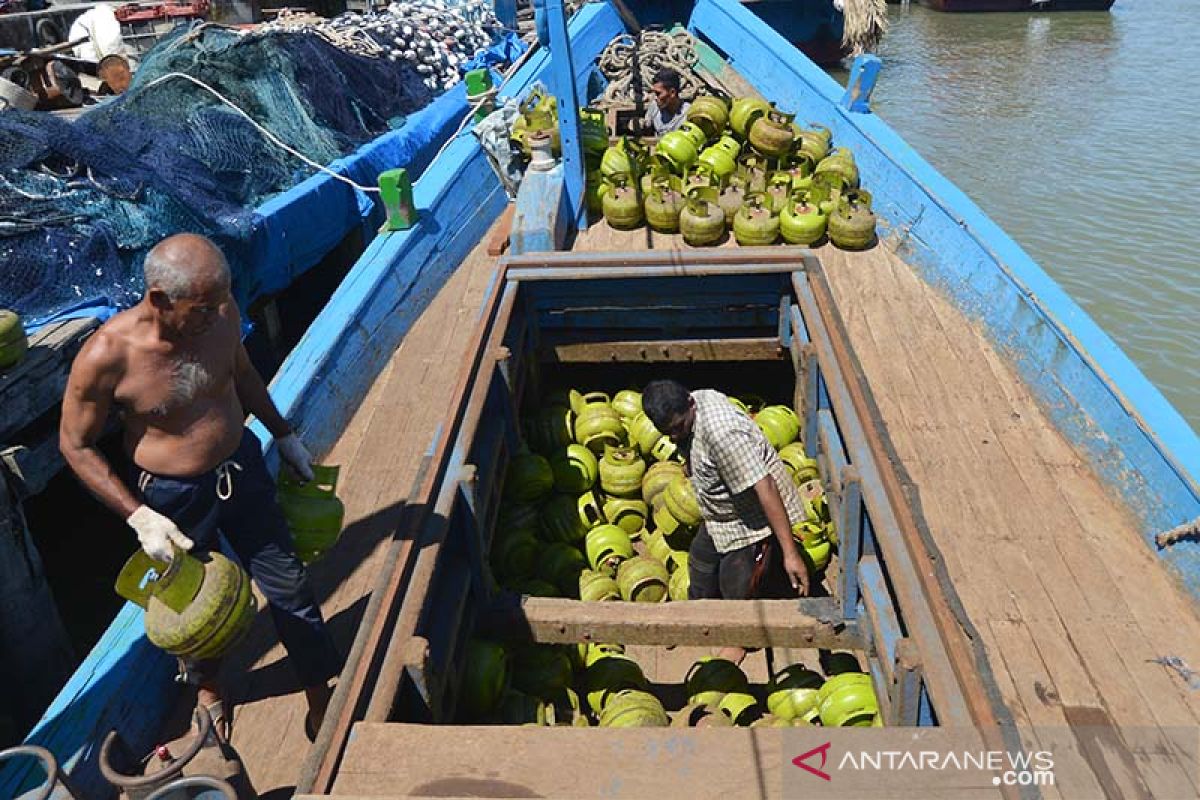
[(600, 236), (498, 239), (35, 385), (748, 623), (399, 760), (1075, 612), (380, 452), (658, 350)]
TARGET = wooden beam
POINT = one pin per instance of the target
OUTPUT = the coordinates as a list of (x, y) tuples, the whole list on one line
[(658, 350), (404, 760), (749, 623), (498, 242)]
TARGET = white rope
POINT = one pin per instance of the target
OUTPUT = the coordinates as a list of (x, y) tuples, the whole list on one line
[(275, 140), (272, 138)]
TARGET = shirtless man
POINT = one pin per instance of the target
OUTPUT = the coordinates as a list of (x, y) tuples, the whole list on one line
[(175, 368)]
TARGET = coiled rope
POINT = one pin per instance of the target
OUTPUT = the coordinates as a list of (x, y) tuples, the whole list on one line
[(654, 50)]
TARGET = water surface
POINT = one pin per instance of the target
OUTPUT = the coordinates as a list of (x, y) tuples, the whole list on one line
[(1077, 133)]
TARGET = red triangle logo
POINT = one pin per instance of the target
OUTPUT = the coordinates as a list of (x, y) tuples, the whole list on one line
[(818, 771)]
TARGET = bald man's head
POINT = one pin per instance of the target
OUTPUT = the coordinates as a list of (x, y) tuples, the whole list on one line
[(187, 282), (185, 265)]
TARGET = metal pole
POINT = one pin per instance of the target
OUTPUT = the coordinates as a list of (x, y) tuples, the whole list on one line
[(562, 74)]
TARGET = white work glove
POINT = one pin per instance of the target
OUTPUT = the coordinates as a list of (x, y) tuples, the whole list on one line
[(157, 533), (296, 456)]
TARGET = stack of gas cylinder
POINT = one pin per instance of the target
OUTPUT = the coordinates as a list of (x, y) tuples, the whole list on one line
[(601, 684), (745, 168), (597, 506)]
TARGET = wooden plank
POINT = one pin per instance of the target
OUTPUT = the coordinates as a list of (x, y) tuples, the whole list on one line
[(35, 385), (659, 350), (950, 669), (428, 529), (401, 760), (387, 457), (1084, 621), (498, 240), (881, 617), (1087, 621), (749, 623)]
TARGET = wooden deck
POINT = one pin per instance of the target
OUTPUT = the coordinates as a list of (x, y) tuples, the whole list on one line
[(1074, 611), (380, 452)]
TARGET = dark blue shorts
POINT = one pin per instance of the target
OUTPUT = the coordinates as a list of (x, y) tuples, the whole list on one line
[(237, 501)]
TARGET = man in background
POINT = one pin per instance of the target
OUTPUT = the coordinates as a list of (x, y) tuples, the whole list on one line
[(669, 110)]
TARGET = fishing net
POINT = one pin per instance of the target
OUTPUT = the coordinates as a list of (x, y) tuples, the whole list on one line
[(82, 201)]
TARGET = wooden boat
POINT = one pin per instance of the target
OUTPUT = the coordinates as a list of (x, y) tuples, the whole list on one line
[(1000, 471)]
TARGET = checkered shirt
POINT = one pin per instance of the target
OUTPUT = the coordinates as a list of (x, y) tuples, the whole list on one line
[(729, 454)]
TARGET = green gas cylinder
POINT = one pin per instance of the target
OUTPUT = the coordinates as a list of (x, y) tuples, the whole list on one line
[(13, 342), (313, 512), (197, 607)]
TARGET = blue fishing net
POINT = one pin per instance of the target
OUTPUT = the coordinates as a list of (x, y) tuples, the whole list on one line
[(82, 201)]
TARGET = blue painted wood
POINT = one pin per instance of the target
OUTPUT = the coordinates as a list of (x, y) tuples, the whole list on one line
[(1101, 402), (541, 218), (591, 29), (864, 72), (925, 716), (849, 528), (322, 381), (801, 20), (473, 535), (125, 683), (295, 229), (812, 403), (562, 72), (885, 630), (506, 12)]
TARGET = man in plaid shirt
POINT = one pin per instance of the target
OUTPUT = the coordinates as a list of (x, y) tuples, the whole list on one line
[(745, 547)]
